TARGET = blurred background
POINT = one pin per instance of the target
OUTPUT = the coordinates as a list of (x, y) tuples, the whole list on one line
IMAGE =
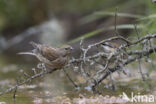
[(58, 22), (55, 22)]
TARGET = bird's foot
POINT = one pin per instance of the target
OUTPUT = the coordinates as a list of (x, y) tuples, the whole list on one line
[(42, 67)]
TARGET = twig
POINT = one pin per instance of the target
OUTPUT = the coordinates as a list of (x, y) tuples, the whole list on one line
[(112, 81), (106, 64), (83, 56), (139, 61), (116, 32), (135, 26), (74, 84), (25, 81), (128, 61), (140, 70), (133, 55), (14, 95)]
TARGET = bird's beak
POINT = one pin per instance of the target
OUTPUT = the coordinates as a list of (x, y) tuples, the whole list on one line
[(71, 48)]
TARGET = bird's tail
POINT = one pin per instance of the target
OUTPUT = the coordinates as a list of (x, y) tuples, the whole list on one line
[(26, 53), (35, 51)]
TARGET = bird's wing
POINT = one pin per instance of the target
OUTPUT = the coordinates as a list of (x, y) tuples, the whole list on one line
[(49, 53), (46, 51)]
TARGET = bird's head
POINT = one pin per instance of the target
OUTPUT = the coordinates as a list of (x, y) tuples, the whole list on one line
[(66, 49)]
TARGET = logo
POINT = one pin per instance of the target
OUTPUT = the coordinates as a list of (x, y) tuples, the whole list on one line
[(137, 98)]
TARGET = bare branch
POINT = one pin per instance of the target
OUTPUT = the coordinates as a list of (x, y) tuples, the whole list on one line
[(26, 81), (98, 59)]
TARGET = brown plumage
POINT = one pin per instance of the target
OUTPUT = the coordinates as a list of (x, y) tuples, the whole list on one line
[(53, 58)]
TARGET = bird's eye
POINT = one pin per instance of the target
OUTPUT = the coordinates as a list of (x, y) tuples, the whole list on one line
[(66, 48)]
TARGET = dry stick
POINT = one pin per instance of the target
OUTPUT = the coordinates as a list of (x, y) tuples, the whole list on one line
[(151, 45), (140, 70), (154, 53), (34, 71), (83, 53), (106, 40), (139, 61), (14, 95), (129, 60), (25, 81), (135, 26), (75, 85), (139, 54), (101, 78), (143, 38), (138, 41), (116, 32), (106, 65), (26, 75), (102, 54), (112, 81)]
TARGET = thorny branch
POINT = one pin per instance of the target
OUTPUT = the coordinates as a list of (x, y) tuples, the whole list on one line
[(132, 55), (118, 67), (99, 59)]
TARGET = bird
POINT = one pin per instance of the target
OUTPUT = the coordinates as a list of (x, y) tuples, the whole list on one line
[(53, 58), (110, 47)]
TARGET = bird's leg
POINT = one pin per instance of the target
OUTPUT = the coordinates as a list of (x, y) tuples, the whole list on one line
[(43, 67)]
